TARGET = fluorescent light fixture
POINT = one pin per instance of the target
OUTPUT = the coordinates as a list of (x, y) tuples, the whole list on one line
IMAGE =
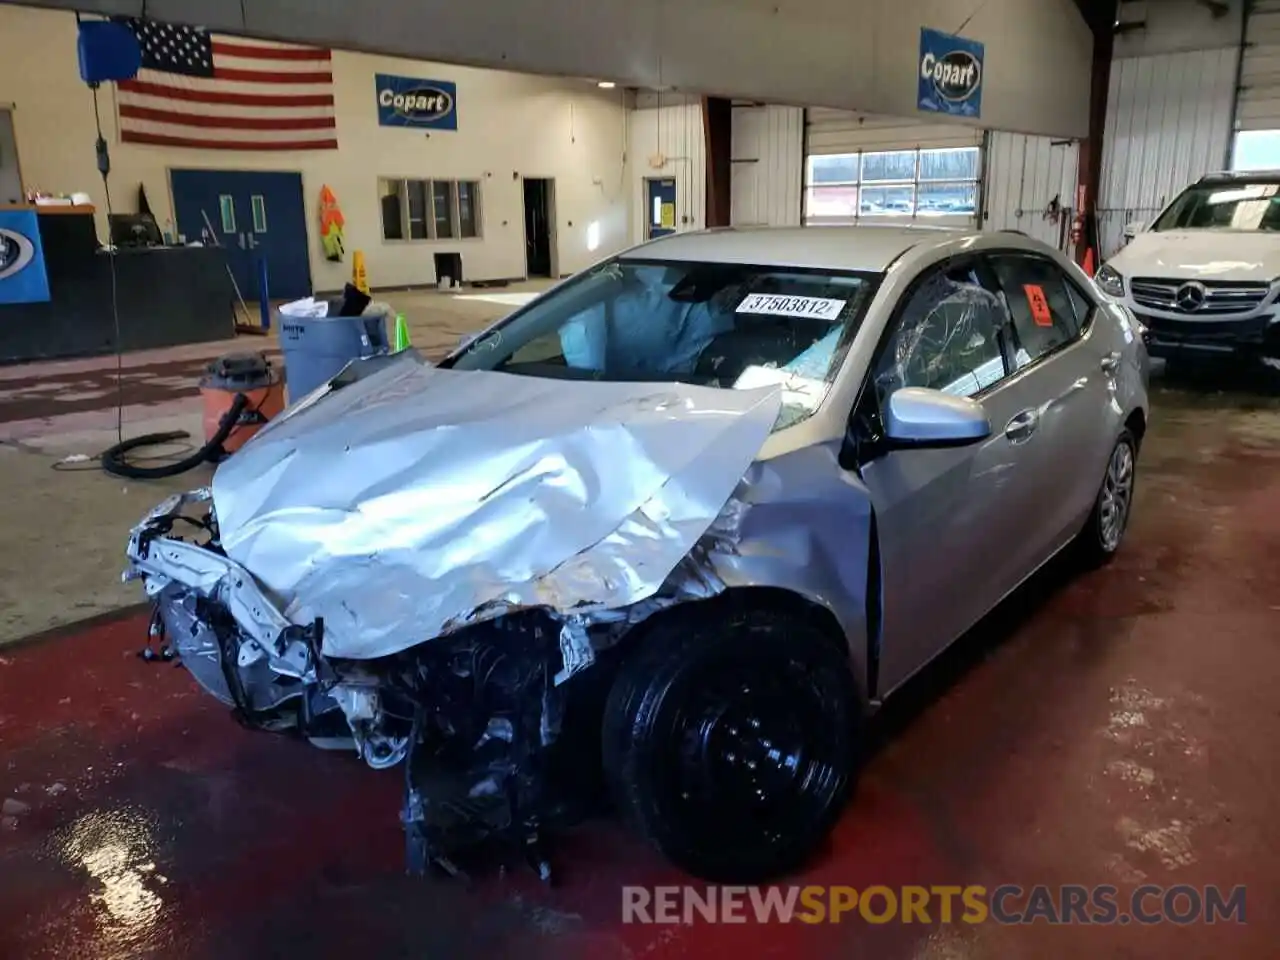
[(606, 84)]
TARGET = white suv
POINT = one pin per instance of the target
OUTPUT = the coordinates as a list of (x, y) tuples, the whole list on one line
[(1204, 277)]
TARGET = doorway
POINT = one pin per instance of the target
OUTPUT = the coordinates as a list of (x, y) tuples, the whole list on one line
[(10, 173), (660, 192), (539, 226), (258, 218)]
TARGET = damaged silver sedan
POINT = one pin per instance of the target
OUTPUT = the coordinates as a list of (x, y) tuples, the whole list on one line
[(674, 529)]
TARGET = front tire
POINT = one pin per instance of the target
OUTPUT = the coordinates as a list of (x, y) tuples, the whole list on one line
[(730, 740), (1104, 530)]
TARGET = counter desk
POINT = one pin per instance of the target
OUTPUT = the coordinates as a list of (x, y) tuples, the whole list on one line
[(165, 296)]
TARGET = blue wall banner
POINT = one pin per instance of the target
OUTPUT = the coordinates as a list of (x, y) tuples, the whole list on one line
[(949, 74), (410, 102), (22, 274)]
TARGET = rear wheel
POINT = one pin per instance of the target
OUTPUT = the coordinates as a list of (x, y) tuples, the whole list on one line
[(1107, 523), (731, 742)]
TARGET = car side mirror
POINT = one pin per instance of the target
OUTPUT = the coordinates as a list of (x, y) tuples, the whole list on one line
[(1133, 228), (917, 417)]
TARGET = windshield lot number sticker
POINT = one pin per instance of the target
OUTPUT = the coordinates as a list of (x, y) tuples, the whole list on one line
[(1039, 305), (774, 305)]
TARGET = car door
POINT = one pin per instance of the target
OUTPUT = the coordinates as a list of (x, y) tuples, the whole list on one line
[(949, 521), (1064, 369)]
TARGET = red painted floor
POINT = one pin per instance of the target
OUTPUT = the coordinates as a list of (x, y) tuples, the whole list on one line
[(57, 389), (1120, 728)]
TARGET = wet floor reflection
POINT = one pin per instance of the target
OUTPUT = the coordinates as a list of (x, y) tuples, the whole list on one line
[(116, 849)]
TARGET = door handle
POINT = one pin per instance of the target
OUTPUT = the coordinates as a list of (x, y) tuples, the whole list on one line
[(1110, 363), (1020, 428)]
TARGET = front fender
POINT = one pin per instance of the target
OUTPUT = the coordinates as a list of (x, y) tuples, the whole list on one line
[(801, 523)]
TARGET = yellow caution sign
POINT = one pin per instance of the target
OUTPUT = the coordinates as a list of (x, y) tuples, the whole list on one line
[(359, 279)]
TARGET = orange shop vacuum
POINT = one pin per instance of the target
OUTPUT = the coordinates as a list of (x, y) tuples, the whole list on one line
[(229, 377), (240, 393)]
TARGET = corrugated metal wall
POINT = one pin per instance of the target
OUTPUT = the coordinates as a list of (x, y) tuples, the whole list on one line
[(768, 165), (666, 139), (841, 131), (1259, 107), (1168, 123), (1024, 175)]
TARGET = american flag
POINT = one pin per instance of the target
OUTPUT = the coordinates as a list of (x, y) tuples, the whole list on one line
[(198, 89)]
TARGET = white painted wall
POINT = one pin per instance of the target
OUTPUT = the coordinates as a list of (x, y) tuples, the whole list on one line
[(767, 171), (510, 124), (834, 53), (665, 138)]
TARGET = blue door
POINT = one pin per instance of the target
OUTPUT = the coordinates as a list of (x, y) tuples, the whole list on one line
[(662, 207), (256, 218)]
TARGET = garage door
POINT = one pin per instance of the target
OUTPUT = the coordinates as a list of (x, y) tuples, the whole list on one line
[(1256, 141), (1259, 106), (860, 167)]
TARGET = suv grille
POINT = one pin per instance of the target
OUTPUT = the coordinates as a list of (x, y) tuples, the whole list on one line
[(1220, 296)]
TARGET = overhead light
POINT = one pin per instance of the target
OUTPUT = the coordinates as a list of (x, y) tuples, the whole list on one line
[(606, 84)]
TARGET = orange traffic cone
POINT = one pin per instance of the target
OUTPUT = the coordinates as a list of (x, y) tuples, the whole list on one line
[(1088, 261)]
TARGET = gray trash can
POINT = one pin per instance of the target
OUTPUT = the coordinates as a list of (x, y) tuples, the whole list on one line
[(315, 349)]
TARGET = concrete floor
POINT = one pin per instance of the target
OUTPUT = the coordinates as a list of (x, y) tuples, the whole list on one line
[(1117, 728), (65, 531)]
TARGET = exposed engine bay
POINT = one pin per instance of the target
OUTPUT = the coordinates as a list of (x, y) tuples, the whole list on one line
[(478, 717), (350, 631)]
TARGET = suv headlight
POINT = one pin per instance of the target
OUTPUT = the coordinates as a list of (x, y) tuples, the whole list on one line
[(1109, 281)]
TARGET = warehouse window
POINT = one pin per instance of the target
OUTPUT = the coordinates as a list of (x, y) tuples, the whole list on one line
[(844, 188), (429, 209)]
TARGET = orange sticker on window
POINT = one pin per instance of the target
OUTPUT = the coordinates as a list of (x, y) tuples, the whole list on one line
[(1038, 304)]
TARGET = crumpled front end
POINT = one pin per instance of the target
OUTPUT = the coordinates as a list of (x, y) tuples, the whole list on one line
[(229, 634), (419, 561)]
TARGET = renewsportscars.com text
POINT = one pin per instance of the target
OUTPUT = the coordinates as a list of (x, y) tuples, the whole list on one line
[(1005, 904)]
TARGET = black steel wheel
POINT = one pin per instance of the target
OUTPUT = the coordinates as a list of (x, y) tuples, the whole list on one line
[(730, 741)]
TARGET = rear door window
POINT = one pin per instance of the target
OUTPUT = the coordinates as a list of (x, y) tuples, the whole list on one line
[(1041, 305)]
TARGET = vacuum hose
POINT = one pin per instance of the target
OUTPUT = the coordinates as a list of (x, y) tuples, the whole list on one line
[(113, 461)]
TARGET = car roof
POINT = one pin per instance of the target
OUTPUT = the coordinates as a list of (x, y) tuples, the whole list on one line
[(1228, 176), (865, 247)]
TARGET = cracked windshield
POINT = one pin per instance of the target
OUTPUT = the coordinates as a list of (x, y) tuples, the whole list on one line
[(713, 324)]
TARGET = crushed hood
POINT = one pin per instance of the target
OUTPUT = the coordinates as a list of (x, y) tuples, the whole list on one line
[(1202, 255), (416, 500)]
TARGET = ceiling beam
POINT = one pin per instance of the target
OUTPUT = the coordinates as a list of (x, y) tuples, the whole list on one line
[(1100, 15)]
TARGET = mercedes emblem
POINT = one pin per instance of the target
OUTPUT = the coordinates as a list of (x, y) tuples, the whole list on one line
[(1190, 296)]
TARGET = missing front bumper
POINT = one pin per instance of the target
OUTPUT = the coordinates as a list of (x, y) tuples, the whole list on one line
[(1174, 338)]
